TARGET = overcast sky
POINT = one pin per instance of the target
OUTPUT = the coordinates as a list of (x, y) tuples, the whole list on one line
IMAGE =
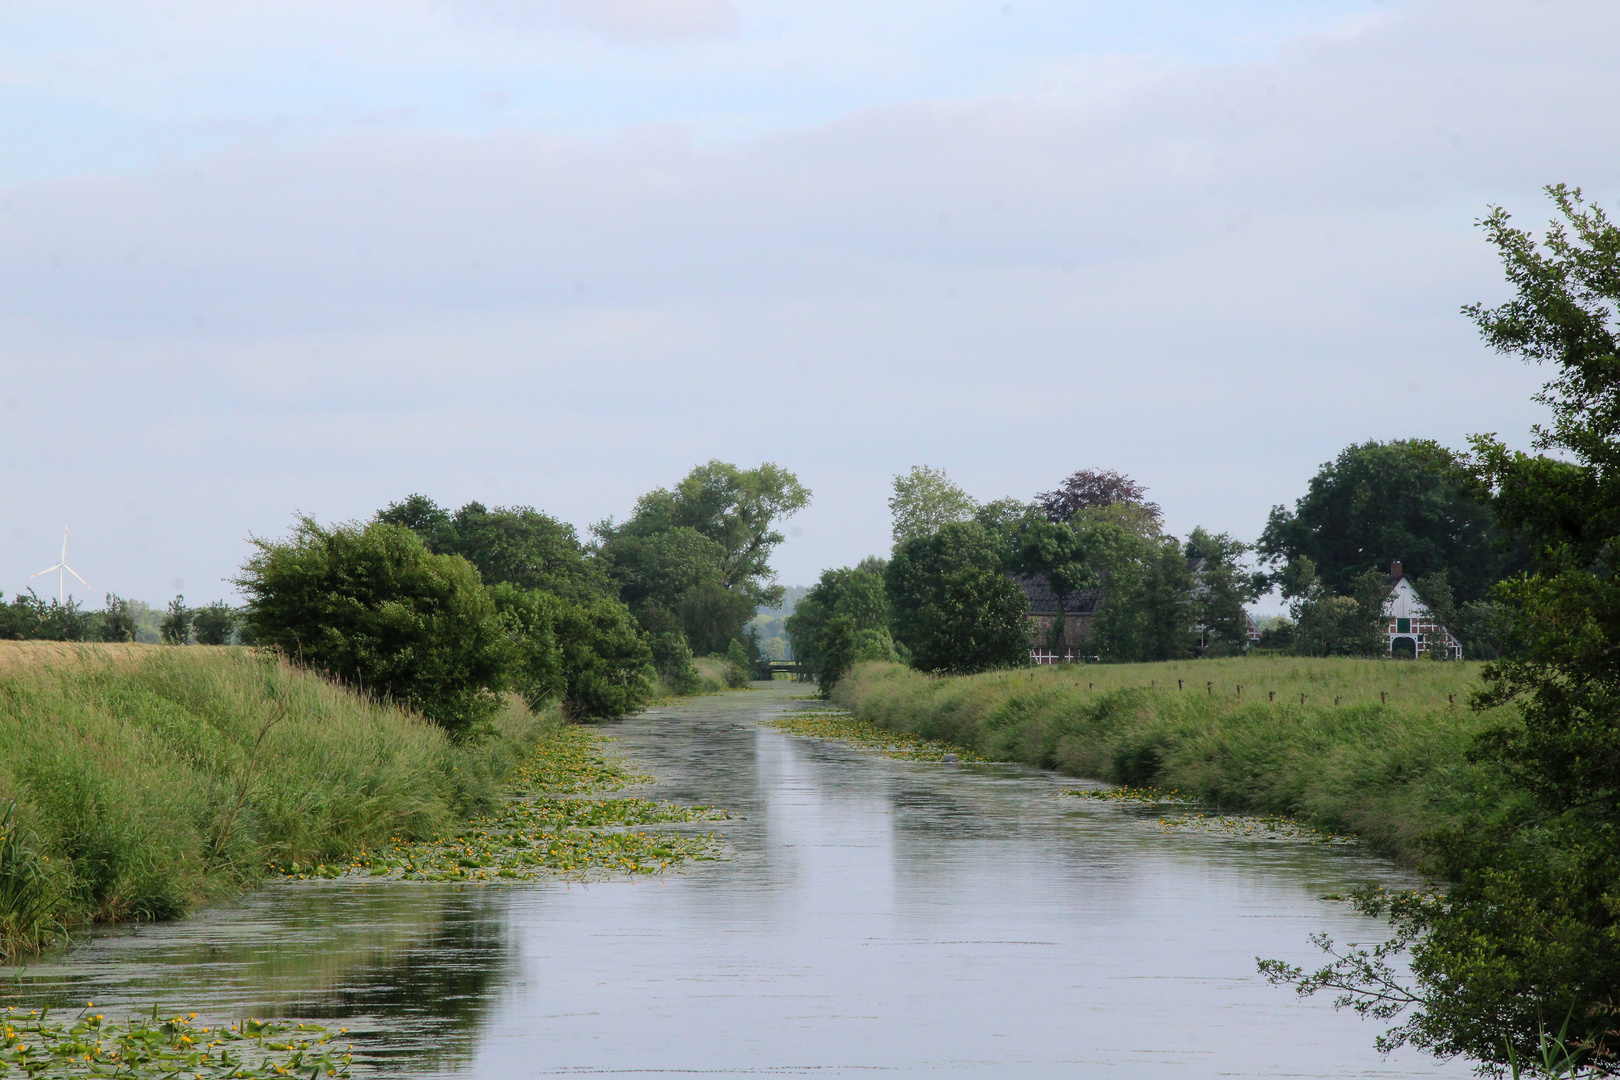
[(256, 259)]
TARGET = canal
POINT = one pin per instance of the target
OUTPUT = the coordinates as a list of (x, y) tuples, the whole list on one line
[(874, 917)]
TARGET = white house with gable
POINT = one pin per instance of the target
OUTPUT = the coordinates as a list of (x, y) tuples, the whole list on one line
[(1413, 630)]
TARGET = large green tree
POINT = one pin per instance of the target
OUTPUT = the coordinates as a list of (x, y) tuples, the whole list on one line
[(372, 606), (841, 621), (1406, 500), (737, 511), (513, 544), (1222, 586), (923, 500), (955, 607), (1526, 938)]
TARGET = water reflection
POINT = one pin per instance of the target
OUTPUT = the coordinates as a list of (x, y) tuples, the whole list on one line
[(412, 972), (874, 915)]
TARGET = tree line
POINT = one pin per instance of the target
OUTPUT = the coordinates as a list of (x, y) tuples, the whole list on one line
[(446, 610), (948, 598)]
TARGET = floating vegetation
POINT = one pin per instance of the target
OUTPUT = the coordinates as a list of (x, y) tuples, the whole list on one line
[(1267, 828), (1145, 795), (825, 724), (540, 829), (33, 1045)]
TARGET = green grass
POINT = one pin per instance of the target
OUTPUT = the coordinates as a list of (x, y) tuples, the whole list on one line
[(146, 786), (1377, 750)]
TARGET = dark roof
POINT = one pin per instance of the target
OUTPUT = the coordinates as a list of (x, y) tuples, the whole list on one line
[(1043, 601)]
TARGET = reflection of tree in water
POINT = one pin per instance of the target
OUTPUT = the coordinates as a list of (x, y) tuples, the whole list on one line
[(410, 971), (426, 1000)]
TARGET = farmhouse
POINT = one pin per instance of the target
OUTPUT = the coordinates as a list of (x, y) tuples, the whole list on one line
[(1065, 644), (1411, 627)]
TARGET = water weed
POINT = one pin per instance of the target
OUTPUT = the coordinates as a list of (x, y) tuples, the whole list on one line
[(823, 724), (542, 828), (149, 1048)]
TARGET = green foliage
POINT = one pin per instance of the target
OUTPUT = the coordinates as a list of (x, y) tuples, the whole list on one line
[(1378, 502), (1327, 624), (739, 665), (27, 896), (1222, 585), (1147, 603), (534, 662), (605, 660), (517, 545), (923, 501), (1389, 763), (841, 621), (712, 616), (28, 618), (118, 621), (372, 606), (175, 628), (735, 508), (1528, 932), (954, 607), (213, 624), (167, 781)]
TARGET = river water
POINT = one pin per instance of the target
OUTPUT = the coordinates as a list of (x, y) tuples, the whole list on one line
[(875, 917)]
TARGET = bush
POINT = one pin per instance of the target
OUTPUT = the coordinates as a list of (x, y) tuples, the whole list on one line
[(954, 607), (607, 667), (371, 606)]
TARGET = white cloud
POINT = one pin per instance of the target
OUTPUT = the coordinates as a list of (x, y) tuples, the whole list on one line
[(632, 19), (1212, 281)]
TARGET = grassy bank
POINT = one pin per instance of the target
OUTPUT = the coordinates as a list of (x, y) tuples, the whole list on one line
[(1376, 750), (141, 782)]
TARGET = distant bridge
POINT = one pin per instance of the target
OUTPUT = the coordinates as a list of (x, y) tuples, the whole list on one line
[(792, 667)]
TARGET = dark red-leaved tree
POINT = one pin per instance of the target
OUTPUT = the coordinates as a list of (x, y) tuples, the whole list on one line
[(1095, 487)]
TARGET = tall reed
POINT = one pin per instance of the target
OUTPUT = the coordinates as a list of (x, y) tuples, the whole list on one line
[(147, 785)]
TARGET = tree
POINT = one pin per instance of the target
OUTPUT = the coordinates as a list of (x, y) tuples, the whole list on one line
[(1222, 585), (175, 628), (1526, 937), (213, 624), (842, 621), (702, 550), (1379, 502), (534, 662), (370, 605), (1327, 623), (118, 620), (606, 663), (955, 608), (1146, 610), (513, 544), (924, 499), (1091, 489)]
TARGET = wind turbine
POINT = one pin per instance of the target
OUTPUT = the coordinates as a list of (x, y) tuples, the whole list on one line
[(62, 570)]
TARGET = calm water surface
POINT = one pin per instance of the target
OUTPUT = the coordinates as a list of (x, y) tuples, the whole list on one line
[(876, 917)]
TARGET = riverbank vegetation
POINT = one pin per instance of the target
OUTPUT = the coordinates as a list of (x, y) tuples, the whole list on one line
[(554, 817), (142, 783), (1370, 748)]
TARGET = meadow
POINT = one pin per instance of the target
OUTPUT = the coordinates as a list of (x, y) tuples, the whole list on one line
[(141, 781), (1371, 748)]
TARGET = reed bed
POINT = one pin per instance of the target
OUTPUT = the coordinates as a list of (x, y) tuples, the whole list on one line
[(1375, 749), (139, 784)]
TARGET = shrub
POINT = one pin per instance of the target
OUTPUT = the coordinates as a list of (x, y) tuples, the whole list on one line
[(371, 606)]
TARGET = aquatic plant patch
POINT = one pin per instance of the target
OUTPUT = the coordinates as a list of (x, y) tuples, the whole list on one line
[(550, 824), (32, 1044), (1269, 828), (824, 724), (1126, 794)]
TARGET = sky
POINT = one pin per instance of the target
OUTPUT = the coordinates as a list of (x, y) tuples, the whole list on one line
[(259, 260)]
